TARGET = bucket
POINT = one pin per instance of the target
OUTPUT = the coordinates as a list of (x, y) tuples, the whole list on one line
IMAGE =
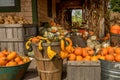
[(48, 69), (110, 70), (14, 72)]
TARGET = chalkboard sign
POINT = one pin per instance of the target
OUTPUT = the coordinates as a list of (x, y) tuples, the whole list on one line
[(10, 5), (7, 3)]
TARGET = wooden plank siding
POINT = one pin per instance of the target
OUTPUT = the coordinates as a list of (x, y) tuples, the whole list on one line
[(43, 11)]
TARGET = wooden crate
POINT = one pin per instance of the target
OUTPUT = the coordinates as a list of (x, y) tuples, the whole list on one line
[(83, 70), (14, 36), (115, 40)]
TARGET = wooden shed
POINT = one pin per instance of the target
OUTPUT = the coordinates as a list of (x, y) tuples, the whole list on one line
[(95, 13)]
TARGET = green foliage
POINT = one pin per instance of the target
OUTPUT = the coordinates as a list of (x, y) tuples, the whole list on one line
[(115, 5), (76, 17)]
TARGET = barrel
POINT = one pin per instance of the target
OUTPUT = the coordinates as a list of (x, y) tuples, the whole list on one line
[(110, 70), (48, 69), (14, 36), (115, 40)]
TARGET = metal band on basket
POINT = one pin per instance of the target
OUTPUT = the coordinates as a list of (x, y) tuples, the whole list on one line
[(55, 71), (42, 59)]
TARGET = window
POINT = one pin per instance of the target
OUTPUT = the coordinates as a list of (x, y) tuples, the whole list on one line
[(77, 17), (10, 5)]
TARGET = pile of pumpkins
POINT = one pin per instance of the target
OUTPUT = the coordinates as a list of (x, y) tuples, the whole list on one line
[(89, 54), (115, 29), (13, 19), (109, 54), (8, 58)]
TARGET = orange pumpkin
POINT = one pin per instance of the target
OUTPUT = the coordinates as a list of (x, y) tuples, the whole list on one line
[(117, 50), (109, 57), (78, 51), (5, 52), (11, 63), (18, 59), (79, 58), (84, 52), (20, 62), (3, 61), (117, 58), (12, 55), (35, 39), (87, 58), (2, 55), (102, 57), (94, 58), (72, 57), (110, 50), (114, 29), (103, 51)]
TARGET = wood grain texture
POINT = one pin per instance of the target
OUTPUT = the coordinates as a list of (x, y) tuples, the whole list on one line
[(14, 36), (83, 70)]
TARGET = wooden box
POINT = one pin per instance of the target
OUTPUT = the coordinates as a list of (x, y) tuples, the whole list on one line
[(115, 40), (14, 36), (83, 70)]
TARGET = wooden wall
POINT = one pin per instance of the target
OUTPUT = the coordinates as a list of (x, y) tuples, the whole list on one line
[(43, 12), (26, 10)]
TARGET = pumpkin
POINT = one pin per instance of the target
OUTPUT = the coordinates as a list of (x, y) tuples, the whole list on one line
[(5, 52), (104, 51), (87, 58), (102, 57), (2, 55), (12, 55), (110, 50), (79, 58), (17, 59), (35, 39), (78, 51), (11, 63), (117, 50), (117, 58), (63, 54), (72, 57), (94, 58), (90, 51), (114, 29), (109, 57), (84, 52), (3, 61), (20, 62)]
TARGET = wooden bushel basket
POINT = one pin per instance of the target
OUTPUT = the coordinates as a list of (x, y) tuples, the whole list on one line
[(48, 69), (14, 36)]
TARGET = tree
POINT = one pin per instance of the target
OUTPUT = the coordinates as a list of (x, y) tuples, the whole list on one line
[(115, 5)]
